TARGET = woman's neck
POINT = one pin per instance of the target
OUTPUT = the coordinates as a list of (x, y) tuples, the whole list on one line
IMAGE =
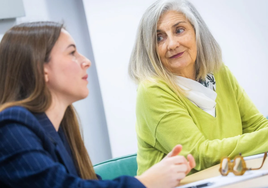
[(55, 113), (187, 72), (189, 76)]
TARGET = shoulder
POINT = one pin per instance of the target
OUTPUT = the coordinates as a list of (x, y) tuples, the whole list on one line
[(225, 76), (152, 83), (154, 87), (20, 131), (156, 97), (19, 119), (17, 114), (223, 72)]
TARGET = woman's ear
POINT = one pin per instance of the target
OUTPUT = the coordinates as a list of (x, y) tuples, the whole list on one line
[(46, 73)]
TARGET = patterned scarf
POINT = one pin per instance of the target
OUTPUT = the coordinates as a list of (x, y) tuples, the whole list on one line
[(209, 82)]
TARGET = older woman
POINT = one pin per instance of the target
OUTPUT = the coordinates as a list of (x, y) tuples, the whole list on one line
[(186, 94)]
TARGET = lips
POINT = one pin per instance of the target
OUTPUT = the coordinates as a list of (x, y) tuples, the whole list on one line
[(85, 77), (177, 55)]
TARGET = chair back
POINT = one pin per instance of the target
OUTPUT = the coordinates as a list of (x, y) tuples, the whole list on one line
[(116, 167)]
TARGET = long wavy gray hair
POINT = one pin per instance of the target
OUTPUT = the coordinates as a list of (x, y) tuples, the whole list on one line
[(145, 63)]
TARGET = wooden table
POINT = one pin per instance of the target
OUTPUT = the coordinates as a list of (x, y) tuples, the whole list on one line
[(214, 171)]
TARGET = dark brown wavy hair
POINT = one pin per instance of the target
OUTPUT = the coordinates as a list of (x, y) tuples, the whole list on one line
[(24, 50)]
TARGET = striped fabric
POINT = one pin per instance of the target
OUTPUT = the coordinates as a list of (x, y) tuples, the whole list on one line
[(33, 154)]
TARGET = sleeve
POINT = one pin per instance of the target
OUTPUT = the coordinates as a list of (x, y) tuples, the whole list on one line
[(252, 119), (173, 125), (25, 163)]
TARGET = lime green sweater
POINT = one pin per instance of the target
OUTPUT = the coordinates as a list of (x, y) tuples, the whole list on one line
[(165, 119)]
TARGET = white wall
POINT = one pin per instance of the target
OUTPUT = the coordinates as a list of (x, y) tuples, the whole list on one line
[(239, 26)]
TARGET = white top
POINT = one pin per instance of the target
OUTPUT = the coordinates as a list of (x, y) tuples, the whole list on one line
[(198, 94)]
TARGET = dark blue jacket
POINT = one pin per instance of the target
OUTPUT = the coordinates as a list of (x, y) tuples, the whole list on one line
[(33, 154)]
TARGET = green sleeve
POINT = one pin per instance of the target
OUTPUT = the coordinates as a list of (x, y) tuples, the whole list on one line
[(179, 128), (252, 119)]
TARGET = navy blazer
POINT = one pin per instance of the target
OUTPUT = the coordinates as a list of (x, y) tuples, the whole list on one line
[(33, 154)]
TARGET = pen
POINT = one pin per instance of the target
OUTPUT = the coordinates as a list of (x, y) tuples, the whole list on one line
[(201, 185)]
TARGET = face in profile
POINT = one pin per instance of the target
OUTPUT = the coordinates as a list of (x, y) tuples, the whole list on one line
[(66, 72), (176, 43)]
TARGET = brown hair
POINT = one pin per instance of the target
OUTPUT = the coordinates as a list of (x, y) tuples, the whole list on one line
[(24, 50)]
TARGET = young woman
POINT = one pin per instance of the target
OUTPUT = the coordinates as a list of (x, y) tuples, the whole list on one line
[(41, 75)]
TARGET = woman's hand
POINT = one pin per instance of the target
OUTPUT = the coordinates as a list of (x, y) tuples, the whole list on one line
[(169, 171), (176, 150)]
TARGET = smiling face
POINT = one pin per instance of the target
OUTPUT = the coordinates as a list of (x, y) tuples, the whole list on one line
[(66, 71), (176, 44)]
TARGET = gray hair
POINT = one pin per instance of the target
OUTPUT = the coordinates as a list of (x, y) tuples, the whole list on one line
[(145, 63)]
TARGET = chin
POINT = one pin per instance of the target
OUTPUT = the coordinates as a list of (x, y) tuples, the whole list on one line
[(81, 96), (85, 94)]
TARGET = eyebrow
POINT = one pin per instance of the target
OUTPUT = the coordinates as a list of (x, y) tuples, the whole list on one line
[(71, 45), (175, 25)]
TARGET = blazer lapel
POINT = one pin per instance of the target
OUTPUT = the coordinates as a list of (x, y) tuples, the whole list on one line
[(65, 158), (60, 150)]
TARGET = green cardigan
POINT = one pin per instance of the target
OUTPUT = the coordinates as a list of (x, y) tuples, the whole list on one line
[(165, 119)]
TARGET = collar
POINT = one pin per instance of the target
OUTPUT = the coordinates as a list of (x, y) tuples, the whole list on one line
[(200, 95)]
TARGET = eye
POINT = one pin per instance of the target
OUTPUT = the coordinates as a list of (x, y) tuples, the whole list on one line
[(73, 52), (180, 30), (159, 38)]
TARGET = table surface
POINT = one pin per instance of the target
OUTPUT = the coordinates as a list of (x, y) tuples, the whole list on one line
[(214, 171)]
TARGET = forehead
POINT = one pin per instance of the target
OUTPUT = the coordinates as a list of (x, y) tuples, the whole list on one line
[(64, 40), (62, 45), (170, 18)]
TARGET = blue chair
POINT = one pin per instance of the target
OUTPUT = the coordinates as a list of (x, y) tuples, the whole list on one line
[(120, 166)]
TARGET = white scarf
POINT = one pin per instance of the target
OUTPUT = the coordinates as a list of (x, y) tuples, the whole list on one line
[(201, 94)]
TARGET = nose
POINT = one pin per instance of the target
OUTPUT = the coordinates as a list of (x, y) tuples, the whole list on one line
[(86, 63), (173, 43)]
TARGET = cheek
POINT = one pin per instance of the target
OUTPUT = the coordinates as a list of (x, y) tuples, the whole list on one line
[(193, 50), (161, 50), (190, 43), (188, 40), (72, 69)]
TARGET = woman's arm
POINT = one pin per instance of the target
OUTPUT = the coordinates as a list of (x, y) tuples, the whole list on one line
[(181, 129), (25, 163)]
